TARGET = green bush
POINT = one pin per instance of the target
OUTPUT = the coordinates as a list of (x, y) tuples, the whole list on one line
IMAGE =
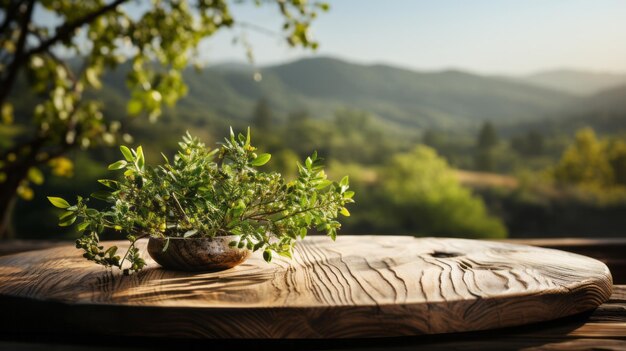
[(417, 193), (585, 162)]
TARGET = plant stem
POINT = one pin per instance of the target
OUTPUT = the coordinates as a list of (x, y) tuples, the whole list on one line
[(129, 248), (180, 208)]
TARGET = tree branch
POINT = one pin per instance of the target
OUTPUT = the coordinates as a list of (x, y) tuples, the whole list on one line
[(63, 32), (12, 70), (9, 16), (67, 29)]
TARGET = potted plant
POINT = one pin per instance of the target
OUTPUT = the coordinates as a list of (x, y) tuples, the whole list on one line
[(207, 209)]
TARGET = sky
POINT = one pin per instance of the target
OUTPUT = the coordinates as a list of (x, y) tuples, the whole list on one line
[(511, 37), (488, 37)]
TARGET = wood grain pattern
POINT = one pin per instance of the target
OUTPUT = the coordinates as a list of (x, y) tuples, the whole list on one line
[(608, 250), (363, 286)]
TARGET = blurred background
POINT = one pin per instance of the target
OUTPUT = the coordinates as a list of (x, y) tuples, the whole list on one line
[(482, 119)]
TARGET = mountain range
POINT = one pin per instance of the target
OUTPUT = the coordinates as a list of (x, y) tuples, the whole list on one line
[(575, 81), (401, 98)]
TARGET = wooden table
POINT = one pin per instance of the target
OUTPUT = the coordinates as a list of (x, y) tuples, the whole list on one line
[(605, 326)]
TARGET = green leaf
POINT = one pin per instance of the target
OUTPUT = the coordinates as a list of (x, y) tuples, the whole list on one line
[(344, 184), (301, 169), (117, 165), (239, 208), (66, 222), (267, 256), (91, 76), (261, 160), (344, 181), (333, 234), (344, 211), (187, 138), (190, 233), (324, 6), (348, 194), (303, 232), (35, 175), (111, 251), (109, 183), (167, 244), (134, 107), (103, 195), (66, 215), (58, 202), (127, 154), (140, 159), (323, 184), (285, 253), (322, 227), (248, 137), (82, 226)]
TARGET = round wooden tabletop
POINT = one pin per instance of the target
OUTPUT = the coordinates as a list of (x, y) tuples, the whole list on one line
[(358, 286)]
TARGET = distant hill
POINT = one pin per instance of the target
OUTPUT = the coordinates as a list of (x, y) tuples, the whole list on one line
[(575, 82), (404, 98), (610, 101), (234, 66), (605, 112)]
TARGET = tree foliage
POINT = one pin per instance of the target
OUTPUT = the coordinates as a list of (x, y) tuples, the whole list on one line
[(159, 41), (529, 144), (487, 137), (585, 161), (485, 148), (427, 199), (617, 160)]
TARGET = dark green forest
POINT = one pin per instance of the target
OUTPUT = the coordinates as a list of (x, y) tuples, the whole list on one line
[(536, 160)]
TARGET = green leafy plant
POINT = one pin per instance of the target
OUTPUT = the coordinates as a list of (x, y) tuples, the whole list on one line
[(208, 193)]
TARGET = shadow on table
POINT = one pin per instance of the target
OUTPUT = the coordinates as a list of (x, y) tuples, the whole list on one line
[(18, 334)]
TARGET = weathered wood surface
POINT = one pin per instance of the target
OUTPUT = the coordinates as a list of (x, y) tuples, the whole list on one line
[(365, 286), (12, 246), (608, 250)]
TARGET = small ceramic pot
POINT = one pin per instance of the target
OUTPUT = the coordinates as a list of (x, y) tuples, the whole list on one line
[(199, 254)]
